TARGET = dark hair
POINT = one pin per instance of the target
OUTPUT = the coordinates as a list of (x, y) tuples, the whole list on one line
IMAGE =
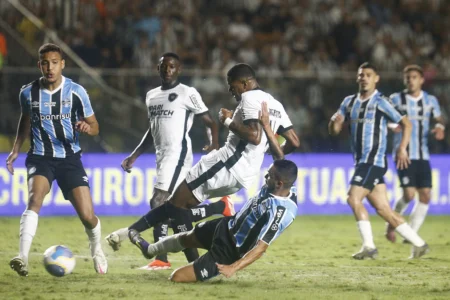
[(49, 48), (171, 54), (410, 68), (286, 171), (241, 71), (368, 65)]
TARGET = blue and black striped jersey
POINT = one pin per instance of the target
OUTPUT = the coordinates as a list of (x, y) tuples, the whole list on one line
[(53, 115)]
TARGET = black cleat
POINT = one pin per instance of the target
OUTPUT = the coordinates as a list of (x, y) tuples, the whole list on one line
[(136, 239), (18, 265)]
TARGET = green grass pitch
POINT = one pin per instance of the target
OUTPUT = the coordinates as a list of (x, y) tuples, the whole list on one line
[(311, 260)]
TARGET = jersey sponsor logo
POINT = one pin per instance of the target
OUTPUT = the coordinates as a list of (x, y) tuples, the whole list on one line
[(49, 104), (159, 111), (278, 216), (194, 101), (35, 104), (55, 117), (275, 113), (367, 121), (375, 182), (182, 228), (204, 273), (199, 212), (85, 179), (173, 96)]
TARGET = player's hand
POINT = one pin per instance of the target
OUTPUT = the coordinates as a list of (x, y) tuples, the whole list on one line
[(402, 158), (209, 148), (10, 160), (224, 114), (264, 115), (226, 270), (338, 118), (127, 164), (82, 126), (439, 133)]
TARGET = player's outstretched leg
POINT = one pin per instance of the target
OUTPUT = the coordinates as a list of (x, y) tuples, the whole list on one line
[(223, 207), (400, 206)]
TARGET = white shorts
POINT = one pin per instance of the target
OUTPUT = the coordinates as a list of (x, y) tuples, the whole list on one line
[(169, 176), (209, 178)]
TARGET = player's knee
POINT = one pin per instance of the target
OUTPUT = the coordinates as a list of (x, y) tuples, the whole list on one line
[(352, 200), (156, 201), (89, 219), (35, 201), (408, 196), (176, 276), (425, 196)]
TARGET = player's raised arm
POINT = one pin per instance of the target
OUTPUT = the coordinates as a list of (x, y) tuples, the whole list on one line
[(292, 141), (275, 149), (248, 130)]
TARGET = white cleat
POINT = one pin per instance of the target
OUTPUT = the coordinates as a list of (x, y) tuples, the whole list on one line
[(115, 239), (100, 262), (417, 252)]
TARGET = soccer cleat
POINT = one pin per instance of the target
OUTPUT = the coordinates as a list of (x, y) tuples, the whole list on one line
[(157, 265), (19, 265), (228, 211), (100, 262), (366, 252), (390, 234), (419, 251), (136, 239), (115, 239)]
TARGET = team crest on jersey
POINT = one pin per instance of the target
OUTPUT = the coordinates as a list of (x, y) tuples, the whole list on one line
[(66, 103), (172, 96)]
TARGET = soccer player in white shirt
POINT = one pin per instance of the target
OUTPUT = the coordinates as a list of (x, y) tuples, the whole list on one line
[(171, 110), (238, 163)]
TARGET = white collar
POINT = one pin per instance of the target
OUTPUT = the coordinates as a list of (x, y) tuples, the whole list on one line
[(55, 90)]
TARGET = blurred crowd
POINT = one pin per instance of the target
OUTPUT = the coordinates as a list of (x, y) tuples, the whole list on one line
[(281, 39)]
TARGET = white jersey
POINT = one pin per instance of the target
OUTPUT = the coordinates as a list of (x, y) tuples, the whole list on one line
[(171, 114), (241, 158)]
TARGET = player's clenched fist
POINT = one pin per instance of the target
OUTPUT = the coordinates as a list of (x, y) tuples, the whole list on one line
[(224, 114), (82, 126), (127, 164)]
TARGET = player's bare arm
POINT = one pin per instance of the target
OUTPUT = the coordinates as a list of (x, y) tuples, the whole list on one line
[(127, 163), (336, 123), (402, 155), (247, 259), (212, 132), (275, 149), (292, 141), (249, 130), (439, 129), (23, 131), (89, 126)]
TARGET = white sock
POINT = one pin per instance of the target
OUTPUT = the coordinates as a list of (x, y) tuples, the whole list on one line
[(418, 215), (407, 233), (94, 236), (28, 227), (365, 229), (169, 244), (400, 206)]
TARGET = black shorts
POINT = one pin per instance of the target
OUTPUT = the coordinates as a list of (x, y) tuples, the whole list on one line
[(68, 172), (214, 236), (418, 174), (368, 176)]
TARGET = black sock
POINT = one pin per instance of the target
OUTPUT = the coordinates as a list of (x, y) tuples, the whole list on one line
[(152, 218), (180, 226), (160, 231), (204, 211)]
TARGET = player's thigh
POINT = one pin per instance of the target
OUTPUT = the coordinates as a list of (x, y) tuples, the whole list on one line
[(184, 274), (40, 172), (80, 197), (209, 178), (204, 233), (70, 174), (158, 197)]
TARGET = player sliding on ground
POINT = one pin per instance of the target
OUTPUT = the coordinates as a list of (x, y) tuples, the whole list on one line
[(367, 113), (235, 242)]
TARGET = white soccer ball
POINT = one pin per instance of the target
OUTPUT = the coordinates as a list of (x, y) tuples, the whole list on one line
[(59, 260)]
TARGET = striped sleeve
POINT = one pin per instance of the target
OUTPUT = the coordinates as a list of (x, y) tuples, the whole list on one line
[(87, 110), (24, 103), (396, 101), (388, 109), (343, 107), (279, 219), (435, 106)]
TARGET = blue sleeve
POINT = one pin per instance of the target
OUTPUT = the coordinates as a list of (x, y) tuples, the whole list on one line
[(395, 101), (85, 101), (280, 218), (343, 107), (386, 107), (436, 107), (24, 102)]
